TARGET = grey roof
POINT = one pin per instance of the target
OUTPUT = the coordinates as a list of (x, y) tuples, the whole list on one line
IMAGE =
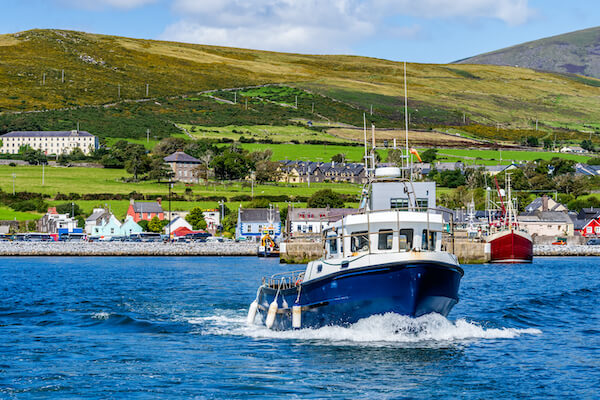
[(588, 170), (319, 214), (259, 215), (180, 156), (147, 207), (47, 134), (537, 204), (546, 216), (96, 215)]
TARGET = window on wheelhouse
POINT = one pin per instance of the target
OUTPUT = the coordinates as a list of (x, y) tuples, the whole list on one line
[(406, 239), (428, 242), (359, 241), (386, 237), (333, 248), (401, 204), (422, 204)]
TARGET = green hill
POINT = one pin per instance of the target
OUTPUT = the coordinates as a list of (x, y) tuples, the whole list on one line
[(98, 68), (574, 53)]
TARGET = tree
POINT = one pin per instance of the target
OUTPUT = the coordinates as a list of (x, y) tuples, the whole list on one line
[(69, 208), (32, 156), (156, 225), (429, 155), (594, 161), (587, 145), (338, 158), (394, 156), (158, 169), (267, 171), (143, 224), (258, 156), (168, 146), (475, 177), (136, 160), (196, 218), (450, 178), (325, 198), (234, 163)]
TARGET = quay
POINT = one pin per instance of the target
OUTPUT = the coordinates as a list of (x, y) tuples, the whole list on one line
[(126, 249)]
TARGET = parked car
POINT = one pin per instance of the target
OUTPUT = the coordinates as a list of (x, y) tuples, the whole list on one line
[(38, 237), (560, 242), (146, 237), (214, 239), (198, 236), (593, 242)]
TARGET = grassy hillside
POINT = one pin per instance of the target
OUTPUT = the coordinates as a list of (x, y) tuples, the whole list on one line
[(572, 53), (342, 87)]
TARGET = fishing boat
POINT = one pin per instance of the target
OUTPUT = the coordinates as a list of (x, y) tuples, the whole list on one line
[(388, 257), (267, 246), (509, 243)]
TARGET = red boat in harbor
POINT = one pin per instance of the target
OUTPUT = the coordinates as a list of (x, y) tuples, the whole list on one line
[(508, 243), (510, 246)]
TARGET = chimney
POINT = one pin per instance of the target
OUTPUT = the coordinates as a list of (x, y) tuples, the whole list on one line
[(544, 203), (159, 201)]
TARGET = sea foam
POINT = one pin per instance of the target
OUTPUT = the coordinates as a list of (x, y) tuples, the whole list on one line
[(375, 330)]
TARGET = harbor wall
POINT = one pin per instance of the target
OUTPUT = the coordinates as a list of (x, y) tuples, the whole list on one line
[(126, 249), (300, 252)]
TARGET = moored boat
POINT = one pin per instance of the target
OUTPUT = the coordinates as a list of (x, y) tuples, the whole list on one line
[(509, 243)]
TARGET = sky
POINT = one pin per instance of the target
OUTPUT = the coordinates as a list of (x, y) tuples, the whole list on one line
[(426, 31)]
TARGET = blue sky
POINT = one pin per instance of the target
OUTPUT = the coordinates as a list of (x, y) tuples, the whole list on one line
[(432, 31)]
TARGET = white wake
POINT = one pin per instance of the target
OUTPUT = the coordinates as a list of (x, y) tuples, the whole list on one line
[(378, 329)]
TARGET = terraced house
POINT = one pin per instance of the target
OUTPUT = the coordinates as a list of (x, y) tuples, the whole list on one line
[(49, 142)]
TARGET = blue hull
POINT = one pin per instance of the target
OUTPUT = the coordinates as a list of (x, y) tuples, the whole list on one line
[(346, 297)]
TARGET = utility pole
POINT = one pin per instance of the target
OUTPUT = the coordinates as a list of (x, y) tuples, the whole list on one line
[(536, 124), (43, 78), (62, 76), (14, 176), (119, 90), (371, 109), (234, 97), (313, 108), (246, 103), (43, 165), (147, 135), (464, 118), (147, 87), (296, 102)]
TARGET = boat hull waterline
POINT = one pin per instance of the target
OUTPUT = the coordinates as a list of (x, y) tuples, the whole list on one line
[(511, 247), (411, 289)]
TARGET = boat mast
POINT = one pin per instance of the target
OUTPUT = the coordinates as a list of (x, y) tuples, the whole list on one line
[(406, 120)]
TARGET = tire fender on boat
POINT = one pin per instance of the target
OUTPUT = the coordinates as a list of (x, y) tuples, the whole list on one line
[(252, 312), (296, 316), (271, 314)]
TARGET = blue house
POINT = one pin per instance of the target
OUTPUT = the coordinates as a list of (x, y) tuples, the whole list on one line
[(130, 227), (252, 222), (108, 226)]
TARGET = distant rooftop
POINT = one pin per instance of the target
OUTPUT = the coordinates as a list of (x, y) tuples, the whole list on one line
[(180, 156), (48, 134)]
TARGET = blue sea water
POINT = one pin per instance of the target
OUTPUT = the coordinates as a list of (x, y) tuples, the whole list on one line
[(146, 328)]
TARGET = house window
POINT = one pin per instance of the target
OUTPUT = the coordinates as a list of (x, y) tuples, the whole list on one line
[(588, 229), (385, 239), (112, 230), (148, 215), (249, 228)]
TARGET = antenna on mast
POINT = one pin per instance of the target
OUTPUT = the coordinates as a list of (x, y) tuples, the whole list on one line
[(373, 150), (365, 134), (406, 116)]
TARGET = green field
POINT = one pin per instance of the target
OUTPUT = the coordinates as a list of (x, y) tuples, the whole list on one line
[(492, 157), (261, 132), (309, 152), (100, 180), (12, 215)]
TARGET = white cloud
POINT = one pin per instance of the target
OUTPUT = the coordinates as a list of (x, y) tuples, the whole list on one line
[(101, 4), (322, 26)]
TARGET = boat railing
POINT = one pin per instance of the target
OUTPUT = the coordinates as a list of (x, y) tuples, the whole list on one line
[(284, 280), (447, 231)]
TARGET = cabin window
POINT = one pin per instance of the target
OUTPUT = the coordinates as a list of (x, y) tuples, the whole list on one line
[(406, 239), (399, 203), (332, 246), (422, 203), (428, 242), (385, 239), (359, 241)]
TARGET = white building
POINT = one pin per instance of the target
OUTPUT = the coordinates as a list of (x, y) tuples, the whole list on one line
[(177, 223), (312, 220), (49, 142)]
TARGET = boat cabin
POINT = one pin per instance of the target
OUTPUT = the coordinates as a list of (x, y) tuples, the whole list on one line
[(384, 232)]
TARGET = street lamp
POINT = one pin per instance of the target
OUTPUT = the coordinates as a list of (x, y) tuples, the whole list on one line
[(170, 183)]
